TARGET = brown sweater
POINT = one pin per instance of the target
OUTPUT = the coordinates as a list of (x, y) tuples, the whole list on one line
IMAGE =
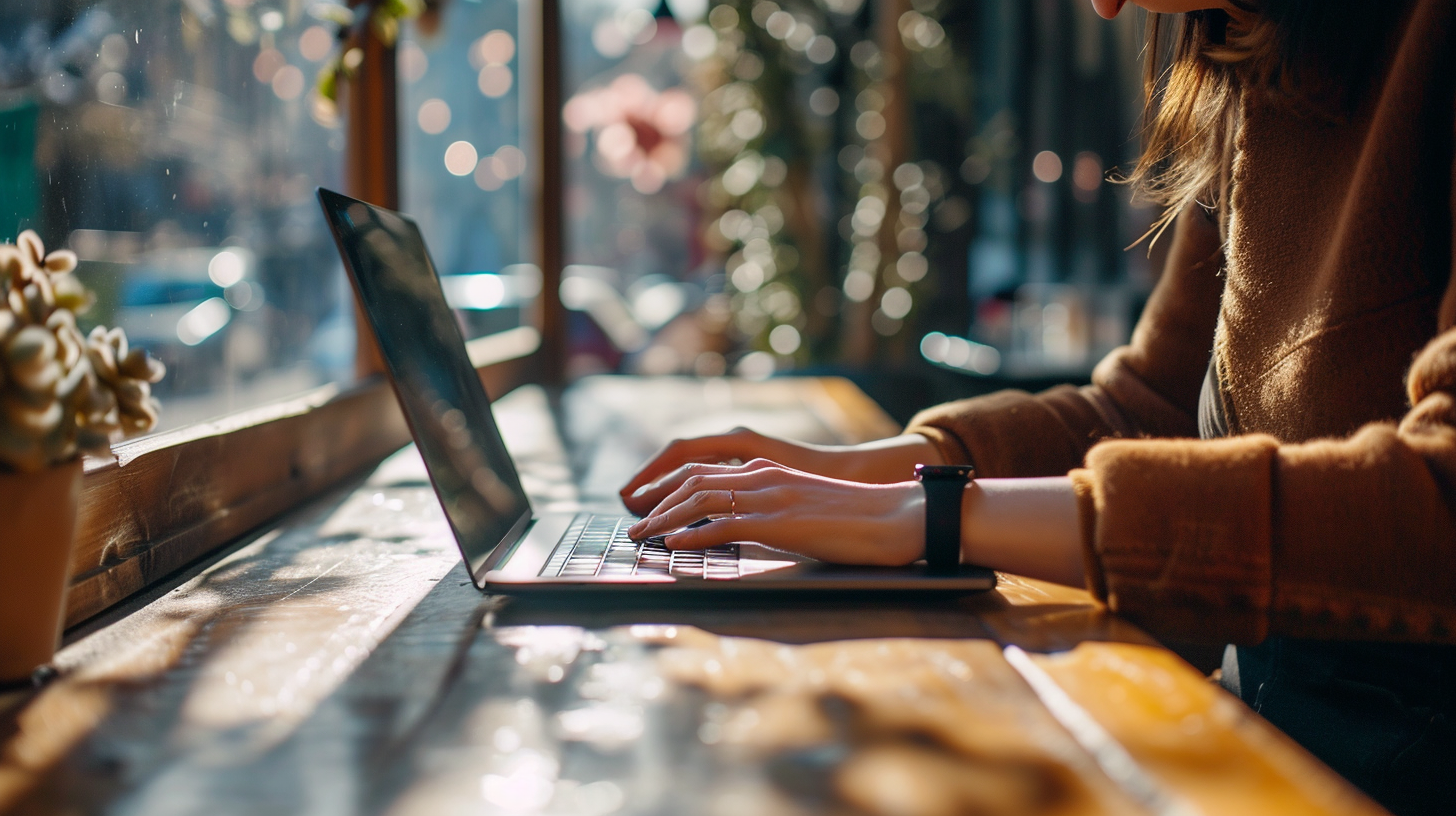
[(1331, 512)]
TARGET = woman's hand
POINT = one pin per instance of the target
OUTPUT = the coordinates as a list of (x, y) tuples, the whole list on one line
[(1027, 526), (827, 519), (883, 461)]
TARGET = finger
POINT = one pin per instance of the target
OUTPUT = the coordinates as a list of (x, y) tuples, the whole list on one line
[(690, 508), (722, 531), (756, 475), (737, 444), (716, 448), (650, 496)]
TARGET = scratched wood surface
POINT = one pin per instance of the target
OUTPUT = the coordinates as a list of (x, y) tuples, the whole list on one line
[(341, 662)]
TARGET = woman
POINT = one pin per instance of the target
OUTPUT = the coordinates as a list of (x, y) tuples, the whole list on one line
[(1306, 150)]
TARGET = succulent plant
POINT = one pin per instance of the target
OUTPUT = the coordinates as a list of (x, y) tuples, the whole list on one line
[(61, 393)]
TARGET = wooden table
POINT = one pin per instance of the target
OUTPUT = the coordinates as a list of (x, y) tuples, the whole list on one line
[(341, 662)]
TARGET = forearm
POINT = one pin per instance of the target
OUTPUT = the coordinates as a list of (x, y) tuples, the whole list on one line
[(1026, 526), (886, 461)]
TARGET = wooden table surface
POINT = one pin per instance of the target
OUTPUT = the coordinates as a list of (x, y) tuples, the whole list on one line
[(341, 662)]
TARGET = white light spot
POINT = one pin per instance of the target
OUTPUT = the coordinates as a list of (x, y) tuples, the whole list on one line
[(460, 158), (609, 41), (912, 266), (495, 81), (748, 277), (203, 321), (821, 50), (434, 116), (746, 124), (315, 43), (495, 48), (757, 365), (859, 285), (226, 268), (699, 42), (784, 339), (288, 82), (896, 303), (481, 291)]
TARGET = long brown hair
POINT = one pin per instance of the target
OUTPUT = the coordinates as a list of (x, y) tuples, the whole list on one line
[(1316, 55)]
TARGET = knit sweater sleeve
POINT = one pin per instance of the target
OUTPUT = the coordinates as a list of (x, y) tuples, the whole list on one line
[(1148, 388), (1351, 538)]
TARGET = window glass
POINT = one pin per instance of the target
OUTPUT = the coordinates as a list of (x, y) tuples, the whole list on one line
[(638, 274), (175, 146), (467, 157), (824, 207)]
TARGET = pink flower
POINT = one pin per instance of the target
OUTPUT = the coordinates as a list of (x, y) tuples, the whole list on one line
[(641, 133)]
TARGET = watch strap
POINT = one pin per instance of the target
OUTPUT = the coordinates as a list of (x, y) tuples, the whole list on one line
[(943, 524)]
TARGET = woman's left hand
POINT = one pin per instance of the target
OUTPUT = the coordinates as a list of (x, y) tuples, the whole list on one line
[(823, 518)]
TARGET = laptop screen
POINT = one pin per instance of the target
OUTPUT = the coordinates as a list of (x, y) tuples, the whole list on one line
[(439, 390)]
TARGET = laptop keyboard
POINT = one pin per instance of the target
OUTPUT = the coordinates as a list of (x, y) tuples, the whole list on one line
[(599, 546)]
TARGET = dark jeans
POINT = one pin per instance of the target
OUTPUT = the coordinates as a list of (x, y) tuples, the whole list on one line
[(1382, 715)]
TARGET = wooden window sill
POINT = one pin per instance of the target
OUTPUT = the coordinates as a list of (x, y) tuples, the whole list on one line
[(163, 501)]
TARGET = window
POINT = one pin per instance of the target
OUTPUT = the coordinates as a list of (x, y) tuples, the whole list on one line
[(176, 147), (467, 159), (757, 186)]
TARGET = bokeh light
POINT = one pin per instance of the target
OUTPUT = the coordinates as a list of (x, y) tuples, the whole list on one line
[(1047, 167), (413, 62), (434, 116), (316, 42), (495, 81), (460, 158), (288, 82)]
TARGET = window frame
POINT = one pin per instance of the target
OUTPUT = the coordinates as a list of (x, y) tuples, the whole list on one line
[(162, 502)]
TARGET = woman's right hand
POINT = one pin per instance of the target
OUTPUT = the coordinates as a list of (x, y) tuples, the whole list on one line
[(883, 461)]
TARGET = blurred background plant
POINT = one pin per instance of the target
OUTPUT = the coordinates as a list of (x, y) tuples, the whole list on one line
[(878, 187), (62, 394)]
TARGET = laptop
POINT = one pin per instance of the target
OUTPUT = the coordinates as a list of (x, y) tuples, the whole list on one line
[(506, 546)]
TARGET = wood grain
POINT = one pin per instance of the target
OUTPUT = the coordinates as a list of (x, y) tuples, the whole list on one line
[(341, 661), (165, 501)]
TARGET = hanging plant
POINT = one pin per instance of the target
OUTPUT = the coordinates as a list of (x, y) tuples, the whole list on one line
[(764, 131), (382, 16)]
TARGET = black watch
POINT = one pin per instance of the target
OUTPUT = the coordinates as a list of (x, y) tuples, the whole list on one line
[(944, 487)]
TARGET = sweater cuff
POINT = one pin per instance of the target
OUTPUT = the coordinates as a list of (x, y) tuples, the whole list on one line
[(1012, 434), (950, 448), (1181, 534), (1084, 485)]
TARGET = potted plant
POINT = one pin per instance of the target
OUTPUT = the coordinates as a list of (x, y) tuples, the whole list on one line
[(62, 394)]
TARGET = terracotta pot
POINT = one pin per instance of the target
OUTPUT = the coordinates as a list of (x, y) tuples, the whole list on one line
[(37, 527)]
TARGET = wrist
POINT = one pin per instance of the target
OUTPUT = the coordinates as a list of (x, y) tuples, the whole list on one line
[(1031, 527), (906, 532), (889, 460), (945, 489)]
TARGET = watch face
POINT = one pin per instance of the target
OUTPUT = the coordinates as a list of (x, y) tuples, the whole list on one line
[(948, 472)]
